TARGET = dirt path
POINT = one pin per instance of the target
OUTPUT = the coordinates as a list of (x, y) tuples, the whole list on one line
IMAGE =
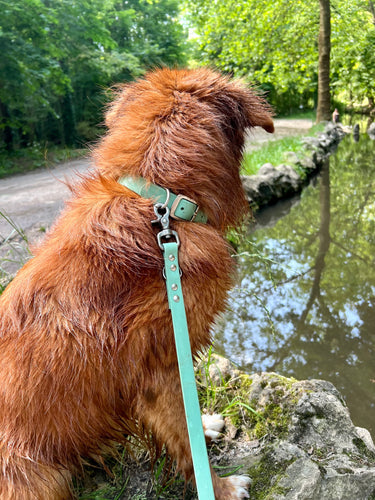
[(283, 128), (33, 200)]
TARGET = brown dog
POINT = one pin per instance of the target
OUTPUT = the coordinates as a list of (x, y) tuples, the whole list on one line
[(86, 342)]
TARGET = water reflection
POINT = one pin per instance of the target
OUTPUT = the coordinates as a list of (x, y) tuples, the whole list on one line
[(304, 305)]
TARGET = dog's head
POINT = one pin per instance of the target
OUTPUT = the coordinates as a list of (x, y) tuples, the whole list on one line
[(185, 130)]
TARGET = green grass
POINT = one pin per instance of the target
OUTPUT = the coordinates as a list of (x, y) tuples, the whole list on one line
[(308, 114), (274, 152)]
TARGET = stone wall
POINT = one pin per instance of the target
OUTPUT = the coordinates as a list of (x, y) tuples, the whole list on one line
[(271, 183)]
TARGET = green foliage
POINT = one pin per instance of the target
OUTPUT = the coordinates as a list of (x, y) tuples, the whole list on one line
[(353, 58), (57, 57), (274, 43), (223, 395)]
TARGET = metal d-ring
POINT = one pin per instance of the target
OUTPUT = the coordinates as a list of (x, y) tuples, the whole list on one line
[(165, 204)]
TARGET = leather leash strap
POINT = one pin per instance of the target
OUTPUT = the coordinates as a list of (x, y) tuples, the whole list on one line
[(185, 209), (185, 364)]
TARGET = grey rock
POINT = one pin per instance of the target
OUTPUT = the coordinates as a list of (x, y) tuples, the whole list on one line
[(330, 128), (290, 182), (274, 183), (271, 184), (320, 454), (308, 164), (257, 189), (366, 438), (371, 131), (325, 141), (302, 480), (221, 370), (292, 158), (318, 157), (311, 142), (267, 170), (305, 479), (217, 371), (349, 485), (322, 421), (335, 131)]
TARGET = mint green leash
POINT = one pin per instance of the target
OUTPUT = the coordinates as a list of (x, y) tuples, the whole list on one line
[(172, 275), (185, 364), (179, 207)]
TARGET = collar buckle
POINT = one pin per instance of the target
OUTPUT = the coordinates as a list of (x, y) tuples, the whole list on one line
[(184, 208)]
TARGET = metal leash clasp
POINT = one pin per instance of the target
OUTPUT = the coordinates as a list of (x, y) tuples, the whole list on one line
[(162, 214)]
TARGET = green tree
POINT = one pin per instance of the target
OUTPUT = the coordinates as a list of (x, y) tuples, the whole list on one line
[(58, 57), (27, 69), (275, 44), (154, 33), (353, 59)]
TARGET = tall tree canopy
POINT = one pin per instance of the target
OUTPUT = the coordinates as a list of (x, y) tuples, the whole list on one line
[(57, 56), (275, 43)]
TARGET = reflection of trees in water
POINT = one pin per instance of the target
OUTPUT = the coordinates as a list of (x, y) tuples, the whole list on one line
[(321, 257), (324, 241)]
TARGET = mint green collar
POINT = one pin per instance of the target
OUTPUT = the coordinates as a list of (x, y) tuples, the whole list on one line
[(181, 207)]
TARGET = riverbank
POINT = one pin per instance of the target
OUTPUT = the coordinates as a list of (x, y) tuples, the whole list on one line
[(298, 441), (273, 183)]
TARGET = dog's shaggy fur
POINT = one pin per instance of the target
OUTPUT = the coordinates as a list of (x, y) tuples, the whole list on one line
[(86, 342)]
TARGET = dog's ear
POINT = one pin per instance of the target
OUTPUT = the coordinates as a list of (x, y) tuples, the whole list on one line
[(250, 106), (240, 107), (265, 121)]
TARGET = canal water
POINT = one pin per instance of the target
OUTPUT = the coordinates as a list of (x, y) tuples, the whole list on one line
[(304, 304)]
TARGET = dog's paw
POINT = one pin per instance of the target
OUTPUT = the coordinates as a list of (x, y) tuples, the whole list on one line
[(212, 426), (239, 487)]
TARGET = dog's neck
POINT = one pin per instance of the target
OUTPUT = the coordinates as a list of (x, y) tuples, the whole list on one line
[(181, 207)]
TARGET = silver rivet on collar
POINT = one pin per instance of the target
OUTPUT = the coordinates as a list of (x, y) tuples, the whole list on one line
[(173, 267), (176, 298), (171, 257), (174, 287)]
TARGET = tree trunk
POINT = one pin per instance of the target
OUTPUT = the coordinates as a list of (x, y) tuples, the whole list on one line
[(324, 96), (371, 98), (371, 7), (6, 135)]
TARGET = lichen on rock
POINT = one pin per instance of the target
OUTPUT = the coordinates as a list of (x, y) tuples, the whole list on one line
[(295, 439)]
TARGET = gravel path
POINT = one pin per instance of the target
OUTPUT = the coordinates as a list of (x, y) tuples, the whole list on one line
[(33, 200), (283, 128)]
